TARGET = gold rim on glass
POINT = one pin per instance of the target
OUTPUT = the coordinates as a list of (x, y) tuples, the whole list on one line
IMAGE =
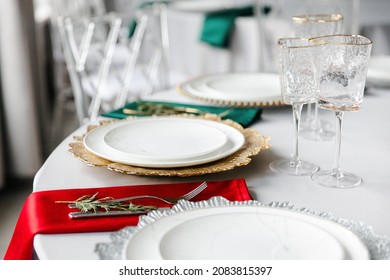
[(281, 45), (322, 40), (318, 18)]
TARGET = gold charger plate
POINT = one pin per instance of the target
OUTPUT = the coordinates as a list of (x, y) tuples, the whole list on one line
[(254, 143)]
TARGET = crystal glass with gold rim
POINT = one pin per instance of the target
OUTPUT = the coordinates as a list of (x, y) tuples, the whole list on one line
[(298, 88), (314, 25), (340, 63)]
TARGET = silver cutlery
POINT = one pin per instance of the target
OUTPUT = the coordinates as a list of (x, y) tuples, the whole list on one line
[(79, 215), (163, 111), (148, 109), (170, 200)]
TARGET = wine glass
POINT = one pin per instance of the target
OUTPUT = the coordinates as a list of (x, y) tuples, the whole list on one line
[(313, 26), (340, 63), (298, 88)]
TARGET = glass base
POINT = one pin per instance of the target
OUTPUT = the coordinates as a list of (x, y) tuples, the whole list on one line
[(329, 179), (290, 167)]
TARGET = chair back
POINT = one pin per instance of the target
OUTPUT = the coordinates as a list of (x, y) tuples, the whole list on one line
[(102, 59)]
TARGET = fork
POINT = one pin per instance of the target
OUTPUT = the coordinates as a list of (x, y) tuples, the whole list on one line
[(169, 200)]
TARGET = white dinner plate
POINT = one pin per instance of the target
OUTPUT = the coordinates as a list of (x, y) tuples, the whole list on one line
[(378, 73), (235, 87), (159, 139), (95, 142), (243, 232)]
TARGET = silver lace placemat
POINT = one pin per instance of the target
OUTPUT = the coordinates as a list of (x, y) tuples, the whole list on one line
[(377, 245)]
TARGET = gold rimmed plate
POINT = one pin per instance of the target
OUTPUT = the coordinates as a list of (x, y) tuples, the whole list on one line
[(235, 89), (164, 142), (253, 144)]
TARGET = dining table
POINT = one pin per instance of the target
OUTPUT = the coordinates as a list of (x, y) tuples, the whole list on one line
[(365, 151)]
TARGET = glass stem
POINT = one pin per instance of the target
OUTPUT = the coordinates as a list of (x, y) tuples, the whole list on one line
[(297, 109), (316, 123), (336, 172), (309, 117)]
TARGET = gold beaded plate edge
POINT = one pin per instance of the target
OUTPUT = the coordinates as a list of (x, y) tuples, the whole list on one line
[(254, 143), (182, 88)]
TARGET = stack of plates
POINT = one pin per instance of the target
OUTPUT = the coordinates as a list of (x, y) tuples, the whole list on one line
[(220, 229), (244, 233), (164, 142), (378, 73), (260, 89)]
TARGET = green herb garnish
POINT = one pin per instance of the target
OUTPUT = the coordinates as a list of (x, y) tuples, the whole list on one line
[(89, 203)]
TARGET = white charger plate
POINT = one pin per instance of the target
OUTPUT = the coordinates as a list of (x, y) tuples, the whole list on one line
[(358, 240), (159, 139), (248, 235), (243, 232), (94, 142), (259, 88), (378, 73)]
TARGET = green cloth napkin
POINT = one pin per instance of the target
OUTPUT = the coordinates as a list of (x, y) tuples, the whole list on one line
[(218, 26), (244, 116)]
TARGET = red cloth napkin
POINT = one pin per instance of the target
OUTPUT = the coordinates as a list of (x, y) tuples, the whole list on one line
[(40, 213)]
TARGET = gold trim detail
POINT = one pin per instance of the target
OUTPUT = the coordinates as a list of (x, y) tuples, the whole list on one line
[(318, 18), (254, 143), (326, 40)]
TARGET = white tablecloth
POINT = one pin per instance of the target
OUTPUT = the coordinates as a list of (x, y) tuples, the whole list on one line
[(365, 151)]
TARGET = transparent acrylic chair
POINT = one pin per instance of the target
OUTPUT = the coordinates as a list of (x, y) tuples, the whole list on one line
[(103, 61), (63, 102)]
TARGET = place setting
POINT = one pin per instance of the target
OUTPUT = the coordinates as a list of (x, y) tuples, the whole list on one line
[(238, 89), (231, 230), (107, 208), (194, 221), (159, 105), (196, 137), (177, 145), (198, 220), (189, 145)]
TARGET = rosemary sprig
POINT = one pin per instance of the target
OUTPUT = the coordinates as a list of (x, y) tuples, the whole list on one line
[(89, 203), (149, 109)]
